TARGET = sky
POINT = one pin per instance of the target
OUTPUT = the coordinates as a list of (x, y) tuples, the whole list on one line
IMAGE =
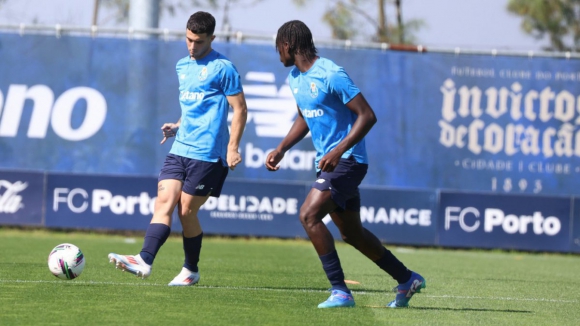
[(472, 24)]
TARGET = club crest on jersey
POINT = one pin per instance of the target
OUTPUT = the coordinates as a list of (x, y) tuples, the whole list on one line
[(313, 90), (203, 74)]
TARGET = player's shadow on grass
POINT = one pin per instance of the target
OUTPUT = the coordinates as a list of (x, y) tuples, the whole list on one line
[(459, 309), (319, 289), (517, 280), (473, 309)]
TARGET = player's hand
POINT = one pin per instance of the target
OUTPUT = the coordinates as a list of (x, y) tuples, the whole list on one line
[(169, 130), (234, 158), (274, 157), (329, 161)]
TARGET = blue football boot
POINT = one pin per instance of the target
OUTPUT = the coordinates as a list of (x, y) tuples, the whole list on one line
[(406, 291), (338, 299)]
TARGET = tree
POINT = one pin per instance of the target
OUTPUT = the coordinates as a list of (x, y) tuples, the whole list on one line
[(121, 7), (344, 17), (558, 19)]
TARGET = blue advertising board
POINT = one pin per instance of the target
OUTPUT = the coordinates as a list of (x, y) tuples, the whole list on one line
[(397, 216), (522, 222), (575, 240), (502, 124), (255, 209), (127, 203), (21, 198), (100, 202), (271, 209)]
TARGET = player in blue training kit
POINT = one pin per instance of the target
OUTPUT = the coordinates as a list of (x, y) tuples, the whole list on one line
[(197, 164), (338, 117)]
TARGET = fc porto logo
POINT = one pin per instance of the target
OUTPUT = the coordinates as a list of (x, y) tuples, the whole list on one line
[(313, 90), (203, 74)]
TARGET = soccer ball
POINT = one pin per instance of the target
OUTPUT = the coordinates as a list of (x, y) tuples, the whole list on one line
[(66, 261)]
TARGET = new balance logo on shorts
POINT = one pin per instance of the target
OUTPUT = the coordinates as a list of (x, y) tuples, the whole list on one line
[(200, 187)]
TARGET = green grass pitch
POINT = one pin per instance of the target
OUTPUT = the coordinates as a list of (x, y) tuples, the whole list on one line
[(278, 282)]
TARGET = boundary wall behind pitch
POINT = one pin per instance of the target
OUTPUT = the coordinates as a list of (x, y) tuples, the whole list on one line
[(270, 209), (470, 149), (466, 122)]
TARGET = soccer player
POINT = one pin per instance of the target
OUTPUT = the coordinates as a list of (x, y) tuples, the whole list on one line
[(338, 117), (197, 164)]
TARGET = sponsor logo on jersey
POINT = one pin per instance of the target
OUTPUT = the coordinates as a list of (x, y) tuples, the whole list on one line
[(187, 95), (312, 113)]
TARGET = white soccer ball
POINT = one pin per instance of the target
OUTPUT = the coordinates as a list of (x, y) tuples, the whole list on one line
[(66, 261)]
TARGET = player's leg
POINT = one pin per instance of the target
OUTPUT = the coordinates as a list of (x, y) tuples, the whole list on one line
[(317, 205), (353, 233), (168, 193), (188, 208), (203, 179), (192, 234)]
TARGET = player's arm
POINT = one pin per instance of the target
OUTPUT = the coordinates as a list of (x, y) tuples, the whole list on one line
[(238, 104), (364, 122), (298, 131), (170, 130)]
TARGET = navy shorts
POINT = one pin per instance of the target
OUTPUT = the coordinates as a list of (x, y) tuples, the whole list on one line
[(200, 178), (343, 183)]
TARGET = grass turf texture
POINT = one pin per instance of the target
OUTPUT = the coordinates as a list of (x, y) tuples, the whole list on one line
[(278, 282)]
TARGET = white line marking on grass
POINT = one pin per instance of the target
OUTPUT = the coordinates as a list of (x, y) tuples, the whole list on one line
[(76, 282), (285, 290)]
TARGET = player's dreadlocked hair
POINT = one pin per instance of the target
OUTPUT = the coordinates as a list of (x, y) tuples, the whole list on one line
[(299, 39), (201, 22)]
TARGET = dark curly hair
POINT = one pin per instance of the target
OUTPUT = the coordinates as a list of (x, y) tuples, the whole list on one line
[(299, 39), (201, 22)]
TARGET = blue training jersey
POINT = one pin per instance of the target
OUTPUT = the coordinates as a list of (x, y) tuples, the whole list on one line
[(203, 86), (321, 94)]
